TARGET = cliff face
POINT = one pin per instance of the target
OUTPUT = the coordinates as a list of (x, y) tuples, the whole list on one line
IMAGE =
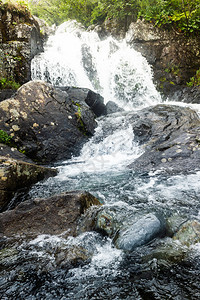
[(20, 40), (174, 57)]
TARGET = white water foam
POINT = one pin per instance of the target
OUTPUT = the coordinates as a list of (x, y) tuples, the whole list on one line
[(75, 57)]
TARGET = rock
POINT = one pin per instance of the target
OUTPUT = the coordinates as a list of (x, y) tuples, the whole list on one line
[(175, 57), (189, 233), (16, 174), (45, 29), (20, 41), (140, 232), (72, 256), (45, 123), (170, 137), (112, 107), (173, 223), (55, 215), (13, 153), (168, 252), (6, 93), (127, 229), (188, 95), (92, 99)]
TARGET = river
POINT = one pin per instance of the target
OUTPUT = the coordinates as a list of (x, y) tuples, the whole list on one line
[(114, 69)]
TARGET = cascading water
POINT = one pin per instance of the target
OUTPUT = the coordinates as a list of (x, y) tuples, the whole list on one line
[(119, 73), (75, 57)]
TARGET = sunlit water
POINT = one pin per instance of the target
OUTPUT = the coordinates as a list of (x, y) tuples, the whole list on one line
[(112, 68)]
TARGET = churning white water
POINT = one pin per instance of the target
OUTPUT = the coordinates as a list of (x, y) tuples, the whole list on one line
[(75, 57)]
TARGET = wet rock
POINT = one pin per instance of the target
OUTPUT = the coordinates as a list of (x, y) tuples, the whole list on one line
[(112, 107), (55, 215), (168, 252), (128, 229), (16, 174), (45, 123), (92, 99), (170, 137), (189, 233), (173, 223), (8, 257), (140, 232), (72, 256), (13, 153)]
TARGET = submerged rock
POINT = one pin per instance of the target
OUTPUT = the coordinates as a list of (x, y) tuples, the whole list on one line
[(189, 233), (45, 123), (16, 174), (170, 136), (128, 229), (54, 215), (140, 232)]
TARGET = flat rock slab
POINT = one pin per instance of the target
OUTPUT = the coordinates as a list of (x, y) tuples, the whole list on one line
[(170, 136), (54, 216)]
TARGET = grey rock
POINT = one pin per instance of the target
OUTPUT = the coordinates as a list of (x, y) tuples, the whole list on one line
[(112, 107), (140, 232), (47, 124), (16, 174), (174, 57), (170, 137)]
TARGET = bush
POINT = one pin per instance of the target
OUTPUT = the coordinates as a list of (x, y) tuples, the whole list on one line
[(195, 80), (10, 83)]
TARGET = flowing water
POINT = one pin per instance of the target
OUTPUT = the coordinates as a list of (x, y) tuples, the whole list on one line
[(155, 271)]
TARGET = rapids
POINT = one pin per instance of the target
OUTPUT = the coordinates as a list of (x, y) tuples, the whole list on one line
[(115, 70)]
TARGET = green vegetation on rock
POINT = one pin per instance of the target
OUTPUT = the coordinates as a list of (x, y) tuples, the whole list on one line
[(5, 138), (6, 83), (18, 6), (195, 80)]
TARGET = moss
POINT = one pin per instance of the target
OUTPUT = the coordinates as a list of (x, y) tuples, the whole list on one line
[(5, 138), (18, 6), (81, 125), (8, 83)]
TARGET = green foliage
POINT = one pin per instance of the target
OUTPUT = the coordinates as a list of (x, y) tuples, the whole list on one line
[(6, 83), (5, 138), (56, 11), (195, 80), (181, 15), (20, 6)]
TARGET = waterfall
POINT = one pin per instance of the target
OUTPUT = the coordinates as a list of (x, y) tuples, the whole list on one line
[(110, 67), (162, 269)]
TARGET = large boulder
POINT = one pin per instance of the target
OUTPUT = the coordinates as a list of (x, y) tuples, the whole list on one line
[(16, 174), (20, 41), (45, 123), (55, 215), (140, 232), (128, 229), (170, 136)]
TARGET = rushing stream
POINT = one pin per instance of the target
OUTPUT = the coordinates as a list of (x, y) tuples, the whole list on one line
[(162, 269)]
